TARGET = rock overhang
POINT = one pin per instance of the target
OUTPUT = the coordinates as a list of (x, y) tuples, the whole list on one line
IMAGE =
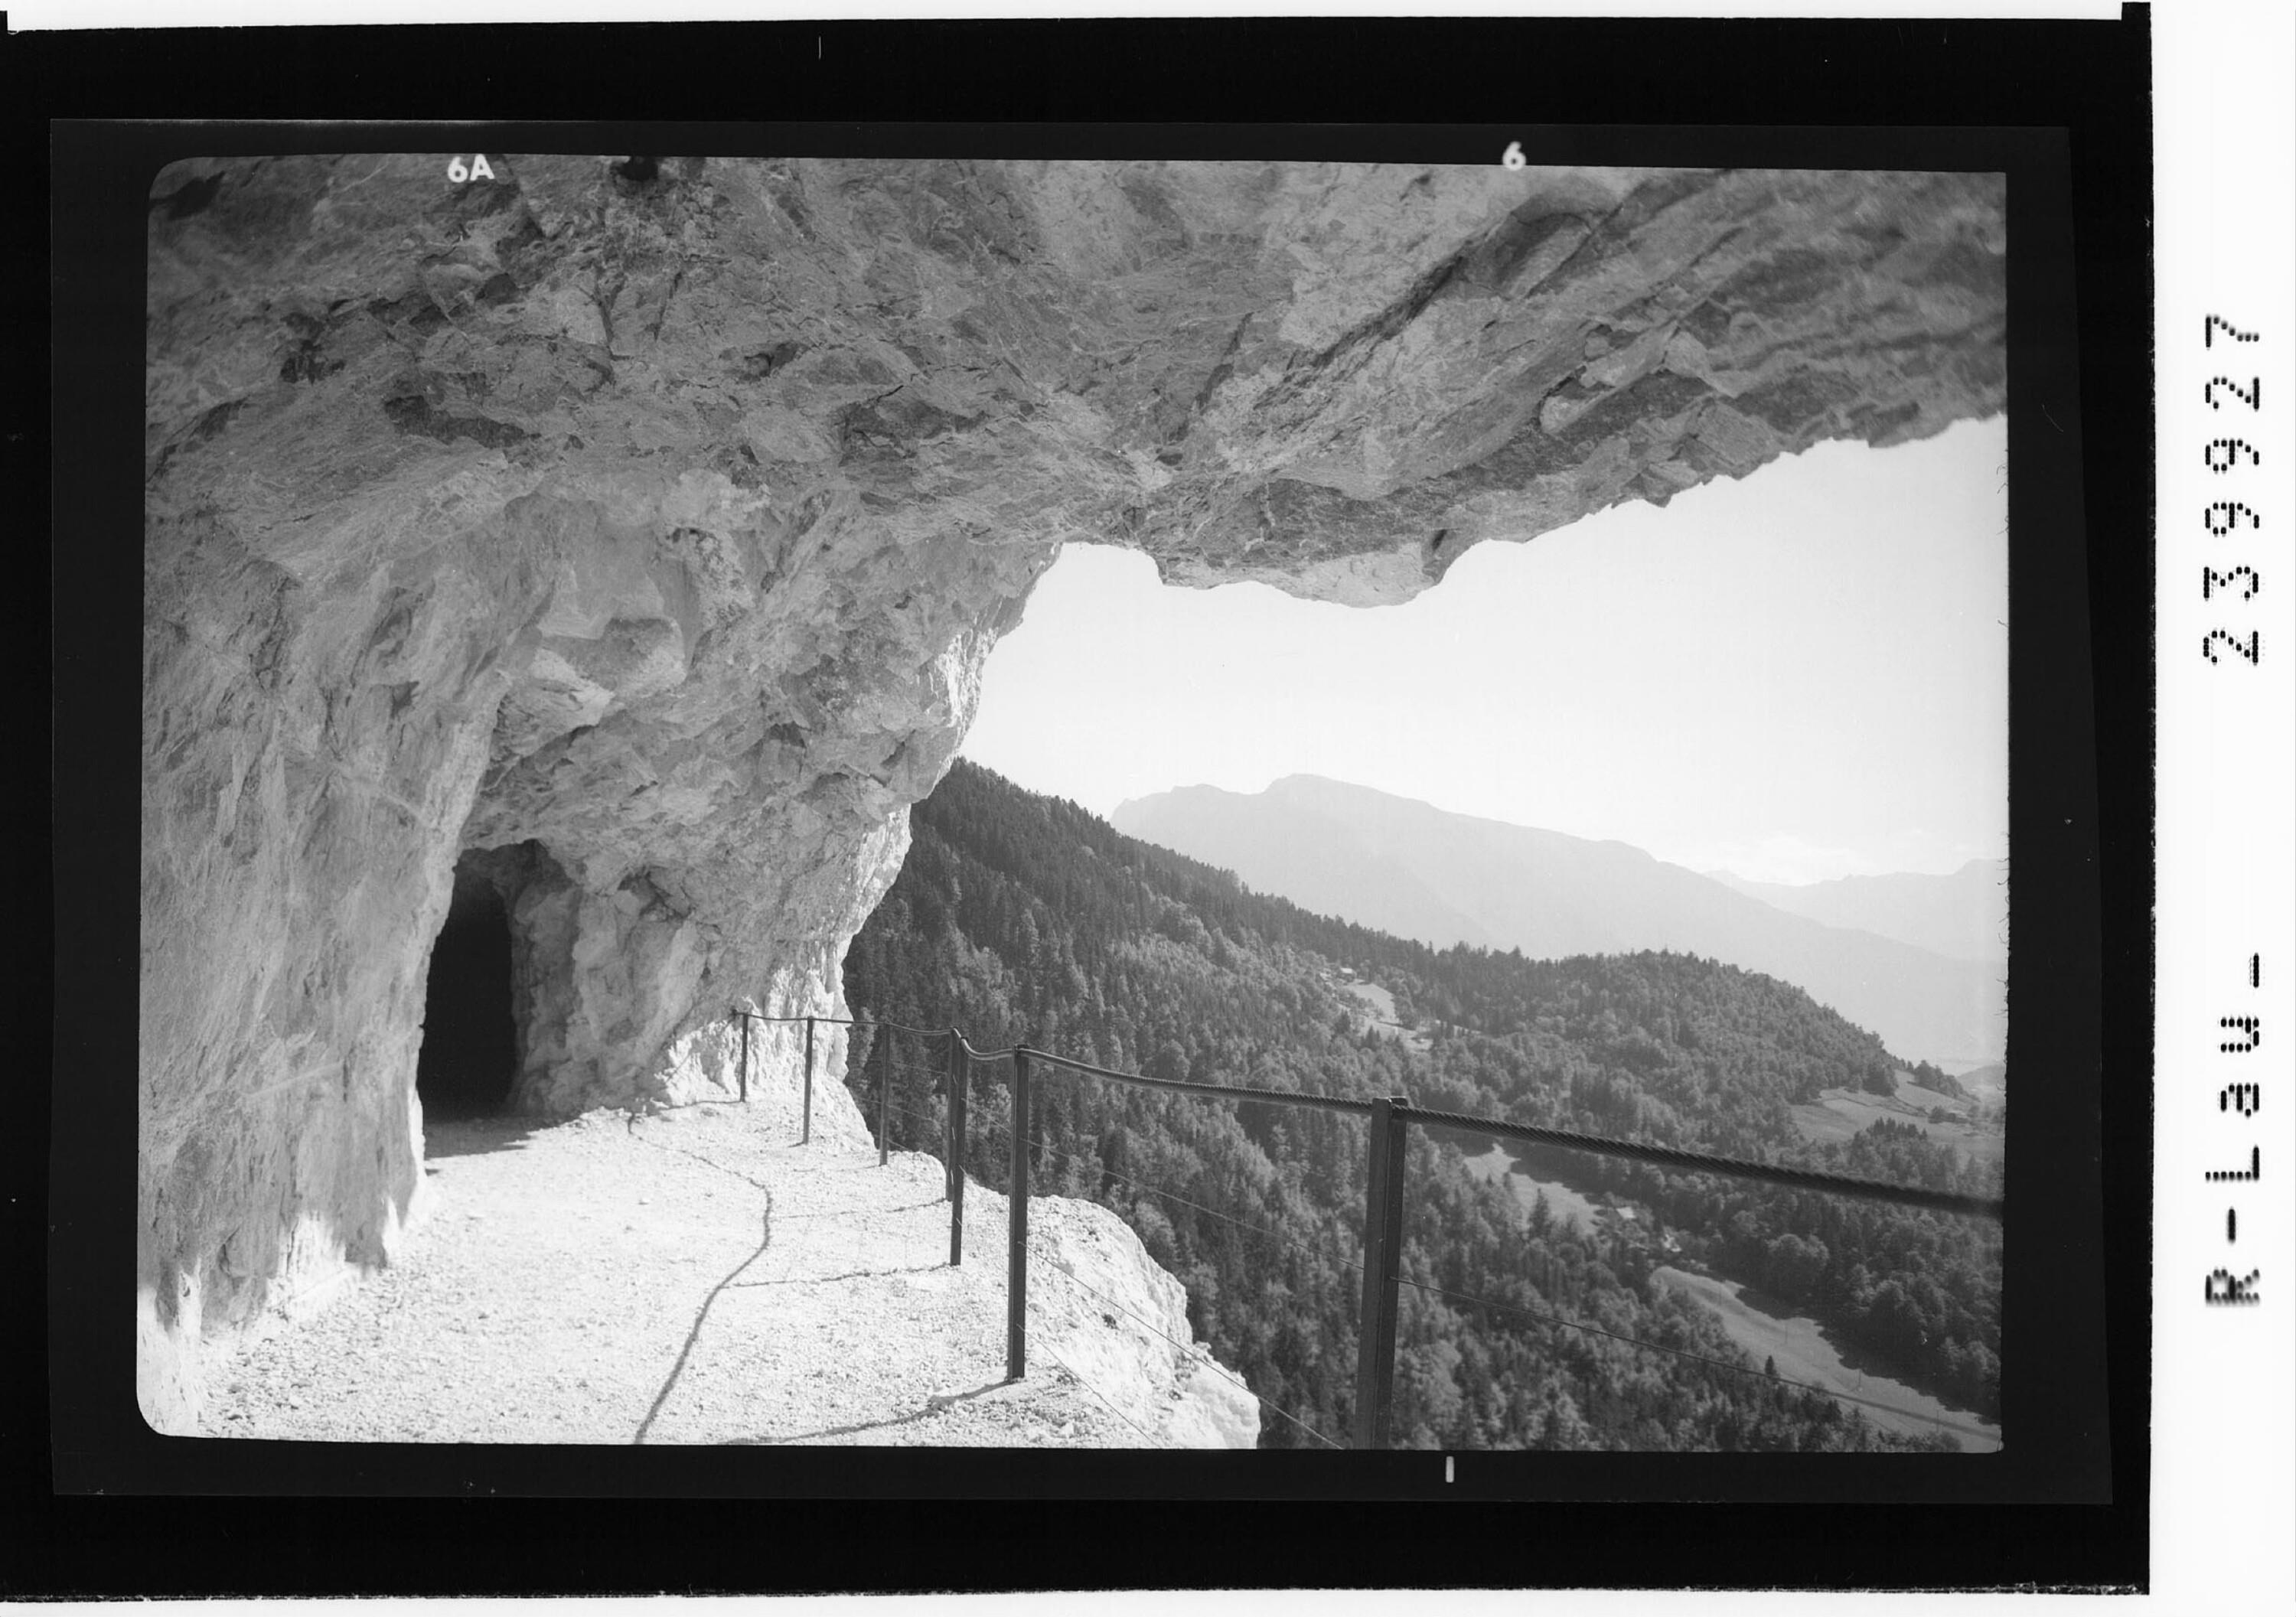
[(660, 525)]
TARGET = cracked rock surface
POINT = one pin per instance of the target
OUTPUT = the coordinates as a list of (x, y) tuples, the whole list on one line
[(631, 536)]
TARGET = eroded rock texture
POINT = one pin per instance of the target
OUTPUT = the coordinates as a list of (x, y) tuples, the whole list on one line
[(633, 532)]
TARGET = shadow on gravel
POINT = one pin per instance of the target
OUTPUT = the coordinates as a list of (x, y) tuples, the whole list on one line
[(765, 1240), (448, 1136), (857, 1274), (704, 1161), (869, 1214), (933, 1406), (887, 1213)]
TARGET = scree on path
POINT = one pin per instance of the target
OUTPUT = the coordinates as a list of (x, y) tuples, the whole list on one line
[(689, 1277)]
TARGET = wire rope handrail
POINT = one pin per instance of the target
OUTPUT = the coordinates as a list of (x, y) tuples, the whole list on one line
[(1670, 1156), (1391, 1119), (1487, 1303), (1694, 1162), (847, 1021), (1148, 1324), (1214, 1365), (1078, 1377), (1254, 1229), (1188, 1085), (930, 1122)]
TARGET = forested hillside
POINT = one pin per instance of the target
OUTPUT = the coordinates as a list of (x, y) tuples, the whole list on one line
[(1018, 917)]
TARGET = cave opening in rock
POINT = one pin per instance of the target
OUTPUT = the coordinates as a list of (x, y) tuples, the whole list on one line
[(470, 1036)]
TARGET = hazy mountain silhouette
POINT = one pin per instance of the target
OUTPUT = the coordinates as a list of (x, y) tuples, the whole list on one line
[(1965, 916), (1416, 871), (1990, 1081)]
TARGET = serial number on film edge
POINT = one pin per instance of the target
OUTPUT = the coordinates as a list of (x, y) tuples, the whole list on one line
[(2223, 518)]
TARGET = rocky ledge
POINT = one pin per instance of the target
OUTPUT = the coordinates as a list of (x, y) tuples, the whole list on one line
[(622, 538), (692, 1276)]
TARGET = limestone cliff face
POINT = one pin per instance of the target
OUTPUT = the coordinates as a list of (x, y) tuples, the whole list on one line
[(1104, 1310), (633, 532)]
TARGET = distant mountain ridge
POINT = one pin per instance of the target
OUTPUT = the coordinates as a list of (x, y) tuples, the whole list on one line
[(1416, 871), (1964, 916)]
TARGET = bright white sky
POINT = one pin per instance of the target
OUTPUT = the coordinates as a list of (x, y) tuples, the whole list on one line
[(1798, 675)]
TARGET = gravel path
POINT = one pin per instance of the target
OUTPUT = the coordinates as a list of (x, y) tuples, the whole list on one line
[(687, 1278)]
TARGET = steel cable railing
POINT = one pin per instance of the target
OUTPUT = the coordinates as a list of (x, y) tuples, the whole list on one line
[(1488, 1304), (1693, 1161), (1289, 1098), (1229, 1218), (848, 1022), (1078, 1377), (1214, 1212), (917, 1117), (913, 1070), (1188, 1352), (1390, 1118)]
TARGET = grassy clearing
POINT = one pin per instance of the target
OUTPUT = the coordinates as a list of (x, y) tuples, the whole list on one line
[(1840, 1113), (1565, 1204), (1380, 1004), (1803, 1353)]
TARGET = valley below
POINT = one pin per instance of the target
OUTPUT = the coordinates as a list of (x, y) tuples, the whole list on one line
[(1500, 1165), (1768, 1330), (1025, 919), (1838, 1113), (1804, 1351)]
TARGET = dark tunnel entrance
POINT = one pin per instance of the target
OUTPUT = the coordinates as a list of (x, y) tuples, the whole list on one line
[(470, 1042)]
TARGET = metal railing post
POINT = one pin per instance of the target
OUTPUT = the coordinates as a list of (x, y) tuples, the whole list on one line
[(884, 1093), (746, 1055), (806, 1138), (1016, 1255), (1382, 1270), (960, 1077)]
